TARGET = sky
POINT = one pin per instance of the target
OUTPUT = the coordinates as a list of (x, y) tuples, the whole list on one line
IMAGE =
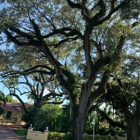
[(6, 91)]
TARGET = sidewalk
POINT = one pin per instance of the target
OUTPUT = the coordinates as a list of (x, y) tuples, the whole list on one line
[(7, 133)]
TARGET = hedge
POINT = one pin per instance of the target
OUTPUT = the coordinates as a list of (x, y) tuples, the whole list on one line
[(63, 136)]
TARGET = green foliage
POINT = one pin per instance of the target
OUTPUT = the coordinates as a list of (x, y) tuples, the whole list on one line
[(58, 136), (2, 97), (131, 10), (66, 118), (70, 80), (71, 77), (10, 99), (28, 117), (48, 115), (67, 136)]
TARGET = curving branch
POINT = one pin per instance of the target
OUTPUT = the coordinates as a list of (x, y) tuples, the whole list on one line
[(12, 93), (74, 5), (100, 91), (100, 14), (111, 121), (112, 11), (65, 31), (35, 69)]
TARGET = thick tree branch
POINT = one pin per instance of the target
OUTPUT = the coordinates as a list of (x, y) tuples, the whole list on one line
[(87, 51), (21, 101), (112, 11), (98, 66), (64, 31), (100, 91), (60, 72), (17, 41), (110, 121), (86, 88), (74, 5), (35, 69), (100, 14)]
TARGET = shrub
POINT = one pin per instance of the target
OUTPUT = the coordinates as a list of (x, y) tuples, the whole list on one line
[(56, 136), (66, 136)]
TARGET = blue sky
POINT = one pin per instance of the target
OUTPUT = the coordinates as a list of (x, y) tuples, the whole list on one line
[(6, 91)]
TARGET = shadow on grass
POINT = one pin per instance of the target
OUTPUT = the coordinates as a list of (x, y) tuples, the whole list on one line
[(22, 132)]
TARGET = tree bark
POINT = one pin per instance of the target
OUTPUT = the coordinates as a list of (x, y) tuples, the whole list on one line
[(78, 123), (134, 132)]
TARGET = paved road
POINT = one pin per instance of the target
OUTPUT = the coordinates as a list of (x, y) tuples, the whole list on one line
[(7, 133)]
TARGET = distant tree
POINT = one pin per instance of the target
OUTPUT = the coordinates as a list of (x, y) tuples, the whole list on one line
[(2, 102), (48, 115), (2, 98), (37, 86), (9, 98)]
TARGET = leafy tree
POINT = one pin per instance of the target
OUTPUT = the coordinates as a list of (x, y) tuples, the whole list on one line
[(66, 118), (48, 115), (36, 86), (2, 98), (9, 98), (28, 116), (2, 102), (80, 40)]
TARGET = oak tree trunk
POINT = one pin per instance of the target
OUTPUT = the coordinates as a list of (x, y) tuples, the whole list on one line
[(134, 132), (78, 124), (79, 111)]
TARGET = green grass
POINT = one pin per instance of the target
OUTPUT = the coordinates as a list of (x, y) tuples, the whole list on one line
[(21, 132)]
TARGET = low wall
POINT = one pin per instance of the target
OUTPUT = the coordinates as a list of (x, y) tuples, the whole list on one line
[(4, 120), (122, 138), (37, 135)]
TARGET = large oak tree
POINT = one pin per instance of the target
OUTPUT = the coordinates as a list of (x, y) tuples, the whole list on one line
[(82, 42)]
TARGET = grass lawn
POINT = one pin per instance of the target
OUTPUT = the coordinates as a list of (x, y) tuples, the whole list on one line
[(21, 132)]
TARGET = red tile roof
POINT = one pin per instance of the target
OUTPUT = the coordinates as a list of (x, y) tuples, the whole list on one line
[(13, 106)]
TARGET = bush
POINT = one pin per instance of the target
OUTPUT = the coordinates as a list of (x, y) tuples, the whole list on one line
[(56, 136), (59, 136), (66, 136)]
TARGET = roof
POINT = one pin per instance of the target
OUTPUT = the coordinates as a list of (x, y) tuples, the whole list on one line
[(13, 106)]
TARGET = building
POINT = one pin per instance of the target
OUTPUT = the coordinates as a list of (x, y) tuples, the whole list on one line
[(12, 113)]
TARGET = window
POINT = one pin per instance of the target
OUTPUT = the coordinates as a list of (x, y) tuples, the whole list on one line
[(8, 115)]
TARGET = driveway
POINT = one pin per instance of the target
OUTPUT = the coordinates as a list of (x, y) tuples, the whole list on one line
[(7, 133)]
